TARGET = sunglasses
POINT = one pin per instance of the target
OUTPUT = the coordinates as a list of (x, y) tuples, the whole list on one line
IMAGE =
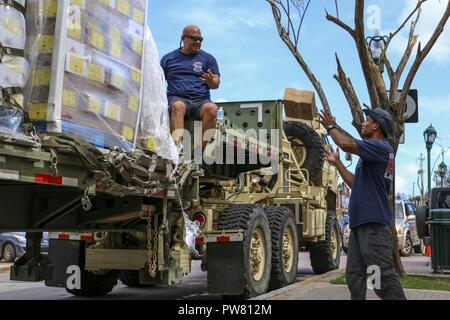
[(194, 38)]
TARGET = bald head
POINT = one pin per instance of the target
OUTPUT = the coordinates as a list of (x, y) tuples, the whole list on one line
[(192, 39), (191, 28)]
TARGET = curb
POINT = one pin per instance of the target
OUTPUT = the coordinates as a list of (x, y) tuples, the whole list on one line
[(4, 268), (317, 278)]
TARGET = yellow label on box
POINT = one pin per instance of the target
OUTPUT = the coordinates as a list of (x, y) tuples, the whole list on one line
[(113, 111), (133, 104), (46, 43), (97, 40), (116, 50), (41, 77), (117, 81), (138, 16), (114, 34), (137, 46), (76, 64), (151, 143), (94, 104), (96, 73), (37, 111), (136, 76), (69, 98), (128, 133), (74, 32), (52, 8), (123, 6)]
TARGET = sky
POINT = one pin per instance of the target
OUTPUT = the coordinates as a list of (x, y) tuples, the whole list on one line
[(256, 65)]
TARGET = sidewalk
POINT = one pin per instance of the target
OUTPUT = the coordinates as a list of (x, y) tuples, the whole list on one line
[(320, 288)]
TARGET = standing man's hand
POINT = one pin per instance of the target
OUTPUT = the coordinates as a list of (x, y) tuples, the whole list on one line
[(327, 118), (333, 157), (210, 79)]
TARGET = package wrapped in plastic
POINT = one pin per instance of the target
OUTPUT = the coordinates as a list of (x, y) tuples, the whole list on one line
[(87, 63), (155, 125), (14, 72), (12, 26), (11, 120)]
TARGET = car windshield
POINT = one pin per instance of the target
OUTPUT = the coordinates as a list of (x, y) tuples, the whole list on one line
[(398, 211)]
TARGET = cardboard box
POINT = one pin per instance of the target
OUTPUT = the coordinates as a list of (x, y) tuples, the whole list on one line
[(299, 104)]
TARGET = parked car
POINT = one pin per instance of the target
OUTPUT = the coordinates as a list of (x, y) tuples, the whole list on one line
[(405, 224), (12, 245)]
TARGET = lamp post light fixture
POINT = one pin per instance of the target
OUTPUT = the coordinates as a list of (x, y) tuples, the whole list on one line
[(376, 45), (429, 136)]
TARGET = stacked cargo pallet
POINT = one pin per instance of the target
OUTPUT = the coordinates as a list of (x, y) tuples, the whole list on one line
[(13, 66), (86, 58)]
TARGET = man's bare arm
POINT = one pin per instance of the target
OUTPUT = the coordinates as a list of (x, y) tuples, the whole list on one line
[(346, 143), (345, 174)]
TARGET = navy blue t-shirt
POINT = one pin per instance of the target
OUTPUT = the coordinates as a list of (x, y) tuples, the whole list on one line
[(369, 201), (182, 73)]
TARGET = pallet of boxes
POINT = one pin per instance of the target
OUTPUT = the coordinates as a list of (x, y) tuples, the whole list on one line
[(13, 66), (86, 59)]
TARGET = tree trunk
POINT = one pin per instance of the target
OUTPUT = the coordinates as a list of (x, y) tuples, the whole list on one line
[(395, 251)]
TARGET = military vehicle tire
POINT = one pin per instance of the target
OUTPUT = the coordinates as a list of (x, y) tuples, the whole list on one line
[(95, 285), (130, 278), (421, 218), (284, 246), (325, 255), (257, 244), (307, 142)]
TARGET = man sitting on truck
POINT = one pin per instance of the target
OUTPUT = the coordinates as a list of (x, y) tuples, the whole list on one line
[(190, 73)]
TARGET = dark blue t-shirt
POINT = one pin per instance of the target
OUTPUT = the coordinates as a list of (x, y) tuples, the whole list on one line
[(369, 201), (182, 73)]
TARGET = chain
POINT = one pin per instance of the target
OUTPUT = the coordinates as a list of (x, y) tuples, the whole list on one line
[(151, 245)]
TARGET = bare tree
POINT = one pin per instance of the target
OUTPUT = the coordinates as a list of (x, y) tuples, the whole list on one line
[(289, 16)]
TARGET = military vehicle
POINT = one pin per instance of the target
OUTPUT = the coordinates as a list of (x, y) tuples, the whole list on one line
[(116, 215)]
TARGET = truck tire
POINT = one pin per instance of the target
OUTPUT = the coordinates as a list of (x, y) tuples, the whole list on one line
[(252, 219), (95, 285), (305, 140), (421, 218), (9, 253), (130, 278), (284, 246), (325, 255)]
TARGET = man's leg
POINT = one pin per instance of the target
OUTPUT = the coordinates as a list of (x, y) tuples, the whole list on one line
[(377, 246), (355, 272), (208, 116), (178, 110)]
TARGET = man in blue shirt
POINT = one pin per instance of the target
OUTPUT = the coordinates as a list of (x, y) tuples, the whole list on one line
[(370, 249), (190, 73)]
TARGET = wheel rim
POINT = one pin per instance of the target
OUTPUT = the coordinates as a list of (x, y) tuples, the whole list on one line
[(257, 254), (334, 243), (408, 245), (288, 250), (8, 253)]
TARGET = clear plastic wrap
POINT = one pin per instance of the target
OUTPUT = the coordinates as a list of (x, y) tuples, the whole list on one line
[(191, 231), (86, 68), (12, 26), (11, 120), (155, 127)]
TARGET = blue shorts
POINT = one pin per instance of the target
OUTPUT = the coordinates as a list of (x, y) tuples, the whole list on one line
[(193, 106)]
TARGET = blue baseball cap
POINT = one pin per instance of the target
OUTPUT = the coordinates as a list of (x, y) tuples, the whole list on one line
[(383, 118)]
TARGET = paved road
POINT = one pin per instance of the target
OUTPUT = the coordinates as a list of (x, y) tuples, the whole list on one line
[(193, 286)]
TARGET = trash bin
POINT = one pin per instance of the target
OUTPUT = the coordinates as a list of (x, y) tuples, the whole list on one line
[(440, 240)]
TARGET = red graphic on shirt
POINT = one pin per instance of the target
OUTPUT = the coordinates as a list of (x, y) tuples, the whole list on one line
[(390, 168)]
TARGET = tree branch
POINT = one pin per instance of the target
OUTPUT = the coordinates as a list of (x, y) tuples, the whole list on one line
[(421, 54), (350, 95), (340, 24), (364, 53), (287, 40)]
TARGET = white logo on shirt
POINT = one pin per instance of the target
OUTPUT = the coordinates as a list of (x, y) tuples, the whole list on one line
[(198, 66)]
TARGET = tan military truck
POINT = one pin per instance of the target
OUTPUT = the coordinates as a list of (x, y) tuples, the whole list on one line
[(121, 216)]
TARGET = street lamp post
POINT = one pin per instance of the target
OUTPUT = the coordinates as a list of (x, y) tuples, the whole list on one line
[(376, 45), (429, 136)]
